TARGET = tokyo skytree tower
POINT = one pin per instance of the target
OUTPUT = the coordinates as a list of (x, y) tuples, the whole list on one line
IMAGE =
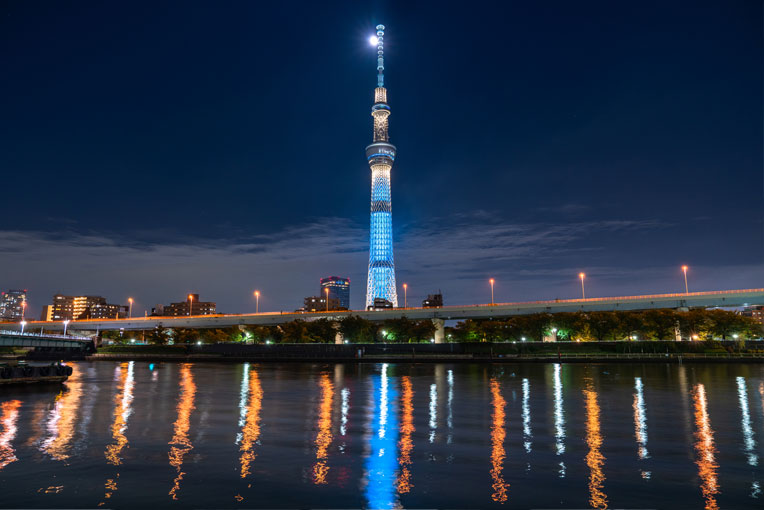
[(381, 154)]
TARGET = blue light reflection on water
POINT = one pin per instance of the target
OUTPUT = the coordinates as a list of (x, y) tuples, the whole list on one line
[(382, 463)]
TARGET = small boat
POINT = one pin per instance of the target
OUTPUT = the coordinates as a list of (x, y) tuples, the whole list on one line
[(24, 373)]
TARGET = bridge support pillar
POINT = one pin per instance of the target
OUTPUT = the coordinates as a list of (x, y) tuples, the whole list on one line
[(339, 338), (440, 331)]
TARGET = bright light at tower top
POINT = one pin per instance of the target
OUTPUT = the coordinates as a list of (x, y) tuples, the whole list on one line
[(373, 40)]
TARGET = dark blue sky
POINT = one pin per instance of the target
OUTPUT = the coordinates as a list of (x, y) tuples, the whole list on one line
[(149, 149)]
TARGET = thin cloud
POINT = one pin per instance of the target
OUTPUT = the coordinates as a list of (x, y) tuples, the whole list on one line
[(453, 254)]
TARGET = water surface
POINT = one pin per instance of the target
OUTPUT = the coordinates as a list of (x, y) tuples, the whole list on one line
[(387, 436)]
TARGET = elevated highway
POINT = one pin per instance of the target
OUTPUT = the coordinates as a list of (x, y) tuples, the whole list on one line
[(724, 298)]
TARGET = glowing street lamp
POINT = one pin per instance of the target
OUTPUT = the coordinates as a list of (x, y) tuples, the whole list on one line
[(583, 293), (130, 313), (686, 289), (24, 323), (257, 301), (326, 291), (190, 303), (66, 323), (491, 282), (23, 308), (405, 295)]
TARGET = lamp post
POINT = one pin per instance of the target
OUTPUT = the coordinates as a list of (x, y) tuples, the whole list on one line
[(686, 289), (326, 291), (130, 313), (405, 295), (23, 309), (24, 323), (66, 323), (190, 304), (257, 301), (491, 282), (583, 293)]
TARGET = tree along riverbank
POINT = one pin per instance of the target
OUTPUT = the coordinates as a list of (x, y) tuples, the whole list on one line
[(564, 327)]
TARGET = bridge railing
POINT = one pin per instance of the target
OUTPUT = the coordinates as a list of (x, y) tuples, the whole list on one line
[(45, 335)]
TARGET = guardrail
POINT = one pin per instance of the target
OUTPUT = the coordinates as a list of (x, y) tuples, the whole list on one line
[(43, 336), (655, 355)]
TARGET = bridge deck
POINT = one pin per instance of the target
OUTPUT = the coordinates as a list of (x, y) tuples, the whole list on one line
[(724, 298), (17, 339)]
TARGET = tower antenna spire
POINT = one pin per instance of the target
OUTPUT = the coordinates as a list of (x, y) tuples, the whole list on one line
[(380, 55)]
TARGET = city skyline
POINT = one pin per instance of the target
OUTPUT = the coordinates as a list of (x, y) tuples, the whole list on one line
[(519, 164)]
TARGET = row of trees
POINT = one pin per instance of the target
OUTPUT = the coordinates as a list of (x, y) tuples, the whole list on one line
[(579, 326), (600, 326)]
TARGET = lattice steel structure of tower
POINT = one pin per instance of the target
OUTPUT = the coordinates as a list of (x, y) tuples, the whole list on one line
[(380, 155)]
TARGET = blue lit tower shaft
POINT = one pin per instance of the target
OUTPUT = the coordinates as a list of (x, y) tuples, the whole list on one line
[(381, 154)]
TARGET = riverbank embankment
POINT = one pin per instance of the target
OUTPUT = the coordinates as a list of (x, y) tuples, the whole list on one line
[(661, 352)]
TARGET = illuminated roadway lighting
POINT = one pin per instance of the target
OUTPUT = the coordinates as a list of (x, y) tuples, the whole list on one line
[(583, 293), (257, 301), (130, 313), (66, 323), (23, 323), (686, 288), (491, 281)]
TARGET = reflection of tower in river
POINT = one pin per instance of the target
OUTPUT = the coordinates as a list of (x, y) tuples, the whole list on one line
[(381, 463)]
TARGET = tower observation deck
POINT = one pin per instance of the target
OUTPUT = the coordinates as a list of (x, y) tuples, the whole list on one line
[(380, 155)]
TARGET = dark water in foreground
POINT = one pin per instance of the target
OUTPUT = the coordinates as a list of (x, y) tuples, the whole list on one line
[(387, 436)]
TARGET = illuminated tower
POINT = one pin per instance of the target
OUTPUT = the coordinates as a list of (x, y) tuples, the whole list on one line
[(381, 154)]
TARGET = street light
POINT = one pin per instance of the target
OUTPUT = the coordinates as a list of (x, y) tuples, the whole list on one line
[(23, 308), (583, 293), (66, 323), (130, 313), (405, 295), (491, 282), (257, 301), (24, 323), (326, 291), (190, 304), (686, 289)]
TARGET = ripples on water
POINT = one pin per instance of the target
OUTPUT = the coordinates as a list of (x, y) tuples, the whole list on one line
[(386, 436)]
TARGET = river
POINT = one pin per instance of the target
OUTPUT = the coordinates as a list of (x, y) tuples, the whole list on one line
[(532, 435)]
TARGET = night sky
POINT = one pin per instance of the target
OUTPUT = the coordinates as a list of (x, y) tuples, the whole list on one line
[(152, 149)]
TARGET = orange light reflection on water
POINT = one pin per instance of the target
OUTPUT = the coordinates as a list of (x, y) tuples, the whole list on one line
[(63, 419), (498, 435), (324, 436), (705, 449), (406, 444), (594, 459), (181, 444), (123, 401), (122, 409), (8, 419), (251, 429)]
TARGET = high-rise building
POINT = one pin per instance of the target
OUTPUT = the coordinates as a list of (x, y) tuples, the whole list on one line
[(380, 155), (82, 307), (12, 304), (192, 302), (339, 289)]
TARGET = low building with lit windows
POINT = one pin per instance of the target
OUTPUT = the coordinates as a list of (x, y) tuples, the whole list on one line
[(191, 306), (82, 307)]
